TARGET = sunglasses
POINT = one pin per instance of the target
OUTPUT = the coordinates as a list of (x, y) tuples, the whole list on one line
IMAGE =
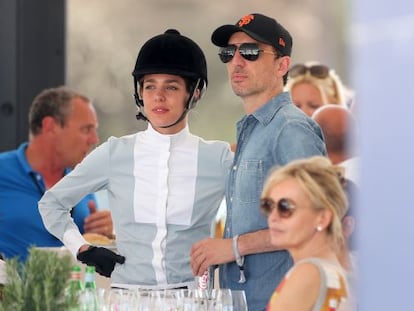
[(317, 71), (249, 51), (284, 207)]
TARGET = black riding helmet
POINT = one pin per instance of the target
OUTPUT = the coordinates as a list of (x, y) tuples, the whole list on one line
[(171, 53)]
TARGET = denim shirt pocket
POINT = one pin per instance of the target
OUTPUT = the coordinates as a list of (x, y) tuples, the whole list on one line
[(249, 181)]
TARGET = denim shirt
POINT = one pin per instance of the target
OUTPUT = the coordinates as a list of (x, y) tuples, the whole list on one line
[(272, 136)]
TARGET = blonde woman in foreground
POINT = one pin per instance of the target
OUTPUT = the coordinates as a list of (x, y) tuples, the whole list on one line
[(304, 202)]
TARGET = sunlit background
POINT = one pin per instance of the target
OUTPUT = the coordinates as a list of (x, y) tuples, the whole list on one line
[(104, 37)]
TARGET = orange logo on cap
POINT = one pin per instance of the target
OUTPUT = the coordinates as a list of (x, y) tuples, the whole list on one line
[(245, 20), (282, 42)]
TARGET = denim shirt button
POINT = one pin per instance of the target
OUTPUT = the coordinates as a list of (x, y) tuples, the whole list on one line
[(234, 167)]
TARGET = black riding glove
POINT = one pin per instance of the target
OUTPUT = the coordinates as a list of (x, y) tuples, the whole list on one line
[(102, 258)]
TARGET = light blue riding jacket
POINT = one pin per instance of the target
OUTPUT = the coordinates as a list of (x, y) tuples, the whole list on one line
[(163, 192)]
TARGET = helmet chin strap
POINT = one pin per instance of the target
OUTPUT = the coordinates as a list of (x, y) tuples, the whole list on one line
[(190, 103), (139, 102), (140, 115)]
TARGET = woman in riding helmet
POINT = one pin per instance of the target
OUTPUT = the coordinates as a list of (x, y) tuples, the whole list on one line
[(164, 184)]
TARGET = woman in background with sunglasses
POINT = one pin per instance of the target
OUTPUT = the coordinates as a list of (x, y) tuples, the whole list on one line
[(304, 202), (313, 85)]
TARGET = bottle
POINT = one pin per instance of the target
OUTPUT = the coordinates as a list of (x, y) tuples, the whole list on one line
[(333, 304), (75, 287), (206, 281), (202, 282), (75, 283), (89, 299), (90, 277)]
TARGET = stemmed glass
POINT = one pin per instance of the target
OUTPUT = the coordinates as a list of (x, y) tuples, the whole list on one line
[(239, 300), (173, 300), (196, 300), (121, 299), (221, 300)]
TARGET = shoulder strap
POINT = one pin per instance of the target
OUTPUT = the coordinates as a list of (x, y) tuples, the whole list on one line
[(323, 285)]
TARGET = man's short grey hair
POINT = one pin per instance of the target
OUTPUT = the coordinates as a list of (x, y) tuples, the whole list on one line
[(53, 102)]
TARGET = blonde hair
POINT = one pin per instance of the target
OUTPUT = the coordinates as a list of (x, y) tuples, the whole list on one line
[(331, 88), (324, 184)]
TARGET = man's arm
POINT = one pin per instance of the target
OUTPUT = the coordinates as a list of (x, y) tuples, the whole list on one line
[(209, 252), (255, 242)]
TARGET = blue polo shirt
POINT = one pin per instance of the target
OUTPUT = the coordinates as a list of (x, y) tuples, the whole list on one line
[(21, 188)]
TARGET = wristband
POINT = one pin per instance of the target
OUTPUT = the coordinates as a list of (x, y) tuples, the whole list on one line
[(239, 259)]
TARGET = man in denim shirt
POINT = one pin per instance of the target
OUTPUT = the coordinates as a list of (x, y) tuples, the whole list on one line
[(272, 133)]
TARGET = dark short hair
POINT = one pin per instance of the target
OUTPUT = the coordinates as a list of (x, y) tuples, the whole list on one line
[(189, 83), (53, 102)]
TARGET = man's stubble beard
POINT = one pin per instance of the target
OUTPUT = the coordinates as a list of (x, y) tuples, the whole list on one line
[(245, 91)]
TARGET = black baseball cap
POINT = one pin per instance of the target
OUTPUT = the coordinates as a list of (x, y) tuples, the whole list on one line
[(261, 28)]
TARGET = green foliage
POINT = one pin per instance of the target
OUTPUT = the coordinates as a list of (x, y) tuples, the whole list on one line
[(38, 284)]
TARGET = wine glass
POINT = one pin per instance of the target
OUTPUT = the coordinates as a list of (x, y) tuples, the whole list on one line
[(221, 300), (198, 298), (173, 300), (121, 299), (143, 299), (155, 299), (189, 300), (239, 300)]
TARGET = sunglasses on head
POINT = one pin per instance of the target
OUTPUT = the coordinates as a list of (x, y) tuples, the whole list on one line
[(284, 207), (317, 71), (249, 51)]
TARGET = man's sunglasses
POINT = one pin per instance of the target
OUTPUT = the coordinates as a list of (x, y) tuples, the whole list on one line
[(284, 207), (317, 71), (249, 51)]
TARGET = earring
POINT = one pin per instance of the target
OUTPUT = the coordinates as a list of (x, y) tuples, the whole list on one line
[(319, 228)]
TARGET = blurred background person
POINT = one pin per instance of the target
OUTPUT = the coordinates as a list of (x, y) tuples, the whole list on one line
[(63, 130), (339, 129), (313, 85), (319, 92), (304, 202), (338, 126)]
